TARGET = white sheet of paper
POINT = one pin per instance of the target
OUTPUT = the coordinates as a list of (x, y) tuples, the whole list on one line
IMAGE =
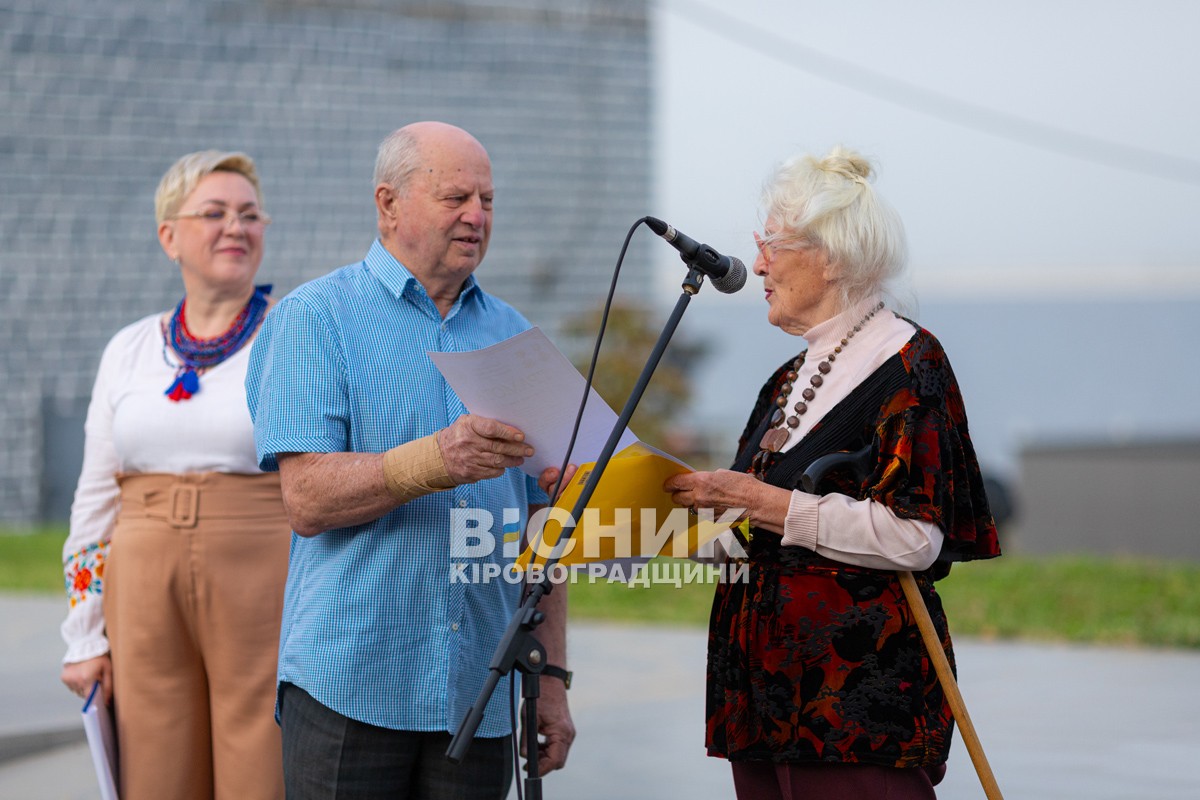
[(102, 742), (526, 382)]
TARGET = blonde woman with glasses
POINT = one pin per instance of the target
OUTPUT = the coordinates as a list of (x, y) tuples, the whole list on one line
[(178, 546)]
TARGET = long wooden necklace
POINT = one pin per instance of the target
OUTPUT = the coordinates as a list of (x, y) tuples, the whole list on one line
[(782, 423)]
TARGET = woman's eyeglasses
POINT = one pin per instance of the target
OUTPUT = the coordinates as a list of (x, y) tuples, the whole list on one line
[(764, 247), (250, 219), (768, 243)]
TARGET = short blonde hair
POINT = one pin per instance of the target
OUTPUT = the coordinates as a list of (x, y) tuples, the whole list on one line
[(182, 178), (830, 202)]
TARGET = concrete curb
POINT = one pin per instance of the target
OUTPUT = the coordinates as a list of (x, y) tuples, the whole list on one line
[(23, 745)]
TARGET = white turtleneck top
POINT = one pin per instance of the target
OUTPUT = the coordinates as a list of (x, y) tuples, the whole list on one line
[(860, 532)]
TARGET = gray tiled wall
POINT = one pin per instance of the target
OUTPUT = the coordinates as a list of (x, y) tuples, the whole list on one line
[(98, 98)]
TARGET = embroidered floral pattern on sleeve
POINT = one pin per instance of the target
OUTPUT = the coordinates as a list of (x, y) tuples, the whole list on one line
[(83, 573)]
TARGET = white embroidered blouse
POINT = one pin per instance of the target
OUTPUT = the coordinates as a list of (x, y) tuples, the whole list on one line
[(133, 427)]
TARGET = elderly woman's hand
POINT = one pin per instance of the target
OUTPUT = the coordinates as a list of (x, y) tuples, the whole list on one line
[(765, 505), (720, 490)]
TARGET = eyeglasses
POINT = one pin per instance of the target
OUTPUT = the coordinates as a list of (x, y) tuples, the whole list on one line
[(765, 243), (250, 219), (768, 243), (764, 249)]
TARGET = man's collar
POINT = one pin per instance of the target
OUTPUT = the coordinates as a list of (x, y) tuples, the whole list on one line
[(396, 277)]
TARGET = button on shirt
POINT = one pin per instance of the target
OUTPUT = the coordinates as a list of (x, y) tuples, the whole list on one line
[(382, 622)]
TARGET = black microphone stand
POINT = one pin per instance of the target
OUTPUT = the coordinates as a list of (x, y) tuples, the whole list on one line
[(519, 647)]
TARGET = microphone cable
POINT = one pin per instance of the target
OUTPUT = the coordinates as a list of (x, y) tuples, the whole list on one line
[(562, 471)]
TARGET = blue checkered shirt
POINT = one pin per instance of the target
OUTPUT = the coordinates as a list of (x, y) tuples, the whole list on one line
[(374, 627)]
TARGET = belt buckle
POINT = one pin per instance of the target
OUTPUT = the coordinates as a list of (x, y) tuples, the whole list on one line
[(184, 505)]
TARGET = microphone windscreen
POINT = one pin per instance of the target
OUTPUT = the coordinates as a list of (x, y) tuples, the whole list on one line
[(733, 280)]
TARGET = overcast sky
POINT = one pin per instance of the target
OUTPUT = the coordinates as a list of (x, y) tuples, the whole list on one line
[(972, 112), (1044, 156)]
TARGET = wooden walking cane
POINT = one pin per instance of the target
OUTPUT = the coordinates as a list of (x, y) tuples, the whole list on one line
[(861, 463), (941, 665)]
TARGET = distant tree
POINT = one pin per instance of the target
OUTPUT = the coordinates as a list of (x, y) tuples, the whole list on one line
[(629, 337)]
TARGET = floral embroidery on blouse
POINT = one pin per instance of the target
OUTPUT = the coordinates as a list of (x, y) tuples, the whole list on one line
[(83, 572)]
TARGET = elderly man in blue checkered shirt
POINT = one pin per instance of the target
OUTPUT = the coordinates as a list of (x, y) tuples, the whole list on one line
[(384, 645)]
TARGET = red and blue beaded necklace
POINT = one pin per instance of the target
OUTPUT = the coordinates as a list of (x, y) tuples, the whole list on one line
[(197, 355)]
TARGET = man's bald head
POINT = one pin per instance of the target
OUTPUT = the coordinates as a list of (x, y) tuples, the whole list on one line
[(404, 150)]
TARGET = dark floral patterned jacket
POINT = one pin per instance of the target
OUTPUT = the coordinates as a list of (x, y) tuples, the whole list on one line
[(814, 660)]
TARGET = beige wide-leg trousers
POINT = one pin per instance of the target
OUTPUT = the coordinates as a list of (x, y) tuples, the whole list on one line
[(192, 602)]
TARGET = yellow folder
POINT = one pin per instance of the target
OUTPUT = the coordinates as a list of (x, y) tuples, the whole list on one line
[(628, 515)]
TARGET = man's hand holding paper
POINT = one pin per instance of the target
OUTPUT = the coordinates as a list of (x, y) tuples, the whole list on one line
[(527, 383)]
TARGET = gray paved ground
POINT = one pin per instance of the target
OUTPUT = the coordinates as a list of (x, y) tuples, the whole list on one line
[(1058, 722)]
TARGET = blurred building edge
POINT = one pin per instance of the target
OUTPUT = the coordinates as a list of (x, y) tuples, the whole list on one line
[(101, 98), (1134, 498)]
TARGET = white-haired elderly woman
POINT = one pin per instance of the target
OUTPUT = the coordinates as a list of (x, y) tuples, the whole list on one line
[(177, 554), (818, 685)]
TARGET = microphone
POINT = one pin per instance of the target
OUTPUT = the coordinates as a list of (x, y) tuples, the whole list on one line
[(728, 274)]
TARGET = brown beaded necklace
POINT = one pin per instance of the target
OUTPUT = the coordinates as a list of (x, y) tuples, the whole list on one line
[(777, 435)]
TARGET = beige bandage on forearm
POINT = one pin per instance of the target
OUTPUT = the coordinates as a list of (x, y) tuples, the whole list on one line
[(415, 469)]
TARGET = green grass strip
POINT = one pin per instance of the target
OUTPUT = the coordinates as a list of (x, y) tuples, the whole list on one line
[(31, 560), (1102, 600), (1054, 598)]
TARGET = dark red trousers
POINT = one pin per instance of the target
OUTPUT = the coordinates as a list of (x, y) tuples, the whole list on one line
[(765, 780)]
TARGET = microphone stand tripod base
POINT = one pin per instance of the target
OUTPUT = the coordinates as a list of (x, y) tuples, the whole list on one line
[(519, 649)]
